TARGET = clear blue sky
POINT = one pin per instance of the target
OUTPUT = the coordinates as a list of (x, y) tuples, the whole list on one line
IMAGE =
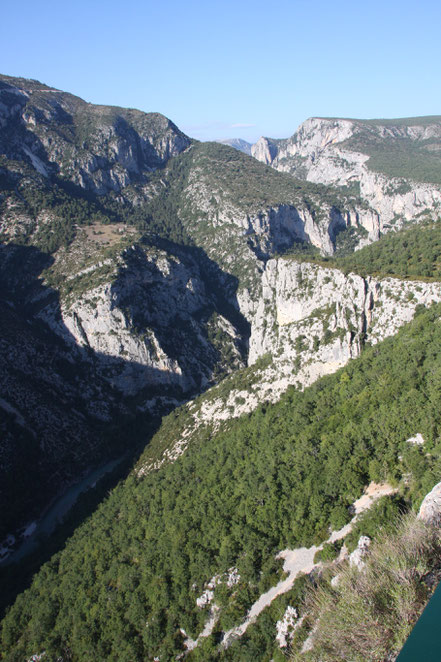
[(236, 68)]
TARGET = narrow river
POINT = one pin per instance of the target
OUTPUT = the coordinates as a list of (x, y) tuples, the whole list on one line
[(57, 511)]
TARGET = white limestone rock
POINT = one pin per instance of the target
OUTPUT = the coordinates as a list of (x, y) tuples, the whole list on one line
[(205, 599), (232, 577), (264, 150), (138, 314), (430, 509), (317, 153), (356, 558), (286, 626), (336, 580), (417, 440), (312, 320), (106, 148)]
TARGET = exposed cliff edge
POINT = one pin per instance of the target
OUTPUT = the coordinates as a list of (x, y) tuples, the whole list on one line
[(307, 321), (430, 509), (312, 320), (342, 152), (139, 268), (149, 319), (99, 148)]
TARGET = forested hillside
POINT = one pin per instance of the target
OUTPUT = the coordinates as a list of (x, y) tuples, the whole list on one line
[(410, 253), (129, 578)]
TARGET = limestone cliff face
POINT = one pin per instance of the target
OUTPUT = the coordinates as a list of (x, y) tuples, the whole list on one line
[(430, 509), (51, 137), (265, 150), (293, 293), (99, 148), (312, 320), (147, 321), (95, 337), (241, 239), (321, 316), (123, 316), (275, 229), (320, 152)]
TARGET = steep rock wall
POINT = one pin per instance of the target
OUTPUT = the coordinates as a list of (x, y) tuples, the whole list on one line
[(234, 237), (150, 324), (317, 153), (99, 148), (312, 320)]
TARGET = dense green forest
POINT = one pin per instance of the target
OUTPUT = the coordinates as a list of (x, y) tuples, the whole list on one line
[(124, 586), (414, 252), (129, 577)]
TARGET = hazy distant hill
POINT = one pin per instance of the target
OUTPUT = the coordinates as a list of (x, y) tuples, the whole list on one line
[(238, 143)]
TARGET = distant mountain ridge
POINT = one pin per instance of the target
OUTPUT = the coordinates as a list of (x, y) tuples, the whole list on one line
[(100, 148), (118, 197), (237, 143), (137, 253)]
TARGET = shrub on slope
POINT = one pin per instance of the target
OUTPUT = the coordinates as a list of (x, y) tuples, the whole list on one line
[(367, 615)]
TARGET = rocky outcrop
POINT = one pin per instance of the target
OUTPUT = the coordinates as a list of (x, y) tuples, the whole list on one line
[(146, 320), (356, 558), (430, 509), (311, 320), (417, 440), (99, 148), (286, 626), (241, 240), (294, 294), (276, 229), (321, 152), (265, 150)]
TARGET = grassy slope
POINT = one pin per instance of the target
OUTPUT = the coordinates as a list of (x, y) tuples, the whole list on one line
[(368, 615)]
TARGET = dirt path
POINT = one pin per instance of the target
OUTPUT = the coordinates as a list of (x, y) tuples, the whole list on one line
[(302, 560), (189, 643)]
